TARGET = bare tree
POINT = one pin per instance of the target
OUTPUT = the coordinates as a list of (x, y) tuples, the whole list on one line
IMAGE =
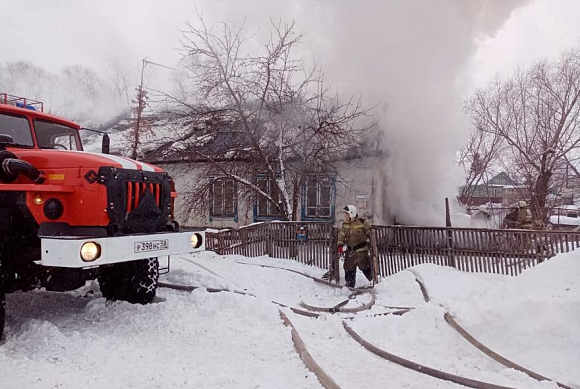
[(478, 158), (283, 122), (25, 78), (76, 92), (119, 78), (536, 115)]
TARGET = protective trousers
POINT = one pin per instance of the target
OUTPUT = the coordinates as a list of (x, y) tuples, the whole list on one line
[(351, 261)]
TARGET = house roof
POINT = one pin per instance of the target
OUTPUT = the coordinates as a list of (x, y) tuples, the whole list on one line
[(503, 179), (178, 138), (221, 145)]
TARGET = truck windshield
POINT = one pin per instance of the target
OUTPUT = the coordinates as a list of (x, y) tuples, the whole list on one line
[(18, 128), (50, 135)]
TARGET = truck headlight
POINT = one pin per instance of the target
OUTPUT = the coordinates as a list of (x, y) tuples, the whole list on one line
[(90, 251), (196, 241)]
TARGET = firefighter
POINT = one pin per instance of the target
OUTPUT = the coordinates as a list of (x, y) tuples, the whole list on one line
[(524, 216), (353, 239)]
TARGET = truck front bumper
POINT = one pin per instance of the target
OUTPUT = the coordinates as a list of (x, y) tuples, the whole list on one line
[(66, 251)]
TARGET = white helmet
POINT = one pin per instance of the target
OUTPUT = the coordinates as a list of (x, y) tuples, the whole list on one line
[(522, 204), (350, 211)]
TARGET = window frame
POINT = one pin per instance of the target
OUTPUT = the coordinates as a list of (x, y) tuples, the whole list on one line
[(74, 134), (212, 211), (31, 132), (331, 199), (270, 216)]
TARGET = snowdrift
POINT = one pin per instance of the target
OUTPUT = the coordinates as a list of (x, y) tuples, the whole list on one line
[(226, 340)]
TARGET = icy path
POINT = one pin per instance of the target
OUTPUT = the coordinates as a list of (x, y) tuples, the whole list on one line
[(226, 340)]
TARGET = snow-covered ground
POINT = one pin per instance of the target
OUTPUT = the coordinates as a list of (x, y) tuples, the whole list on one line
[(227, 340)]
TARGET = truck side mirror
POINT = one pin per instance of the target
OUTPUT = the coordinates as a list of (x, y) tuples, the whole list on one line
[(106, 146), (4, 140)]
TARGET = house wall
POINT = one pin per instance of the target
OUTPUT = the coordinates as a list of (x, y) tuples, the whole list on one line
[(185, 177), (513, 194), (360, 182)]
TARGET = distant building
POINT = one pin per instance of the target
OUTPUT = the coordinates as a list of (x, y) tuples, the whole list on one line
[(501, 189)]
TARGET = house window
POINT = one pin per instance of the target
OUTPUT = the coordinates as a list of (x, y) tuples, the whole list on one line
[(264, 207), (223, 198), (318, 198)]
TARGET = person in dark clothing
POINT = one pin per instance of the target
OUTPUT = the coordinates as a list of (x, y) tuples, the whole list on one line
[(353, 238)]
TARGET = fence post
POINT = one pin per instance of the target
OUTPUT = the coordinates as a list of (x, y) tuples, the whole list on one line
[(450, 256), (374, 255), (221, 244), (335, 262), (293, 241), (269, 239)]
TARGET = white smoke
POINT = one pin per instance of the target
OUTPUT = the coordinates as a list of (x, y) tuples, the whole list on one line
[(411, 56)]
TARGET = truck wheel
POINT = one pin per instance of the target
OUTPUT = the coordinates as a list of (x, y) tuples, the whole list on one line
[(2, 304), (135, 281)]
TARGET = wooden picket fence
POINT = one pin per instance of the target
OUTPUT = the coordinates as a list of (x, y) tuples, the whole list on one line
[(305, 242), (395, 248), (468, 249)]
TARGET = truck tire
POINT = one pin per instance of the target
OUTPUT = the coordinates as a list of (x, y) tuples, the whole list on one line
[(134, 282), (2, 304)]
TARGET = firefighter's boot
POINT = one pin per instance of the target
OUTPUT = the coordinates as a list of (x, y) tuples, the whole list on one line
[(367, 273), (350, 278)]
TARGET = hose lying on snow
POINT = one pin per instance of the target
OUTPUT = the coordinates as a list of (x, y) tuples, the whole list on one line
[(328, 283), (190, 288), (314, 367), (339, 306), (480, 346), (336, 308), (420, 368), (11, 167), (324, 282)]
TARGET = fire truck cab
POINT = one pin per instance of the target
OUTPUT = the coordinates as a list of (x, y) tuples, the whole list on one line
[(68, 216)]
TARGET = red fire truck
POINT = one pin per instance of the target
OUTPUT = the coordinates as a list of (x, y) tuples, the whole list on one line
[(68, 216)]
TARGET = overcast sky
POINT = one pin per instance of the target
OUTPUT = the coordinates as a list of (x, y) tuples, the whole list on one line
[(56, 33), (416, 59)]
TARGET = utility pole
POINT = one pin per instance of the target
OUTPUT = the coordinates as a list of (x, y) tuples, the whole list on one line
[(140, 107), (141, 104)]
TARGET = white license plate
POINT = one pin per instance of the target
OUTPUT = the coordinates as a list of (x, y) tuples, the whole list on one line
[(152, 245)]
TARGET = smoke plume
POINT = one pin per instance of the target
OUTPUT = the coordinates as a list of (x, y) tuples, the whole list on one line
[(411, 57)]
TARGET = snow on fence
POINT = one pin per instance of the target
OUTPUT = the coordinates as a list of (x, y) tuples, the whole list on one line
[(395, 248)]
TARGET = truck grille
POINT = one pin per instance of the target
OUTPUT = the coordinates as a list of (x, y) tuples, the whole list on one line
[(137, 201), (136, 190)]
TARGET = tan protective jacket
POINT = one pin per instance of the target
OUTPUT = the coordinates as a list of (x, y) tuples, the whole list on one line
[(354, 233)]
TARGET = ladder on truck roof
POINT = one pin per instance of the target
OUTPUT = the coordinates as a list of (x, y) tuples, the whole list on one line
[(21, 102)]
